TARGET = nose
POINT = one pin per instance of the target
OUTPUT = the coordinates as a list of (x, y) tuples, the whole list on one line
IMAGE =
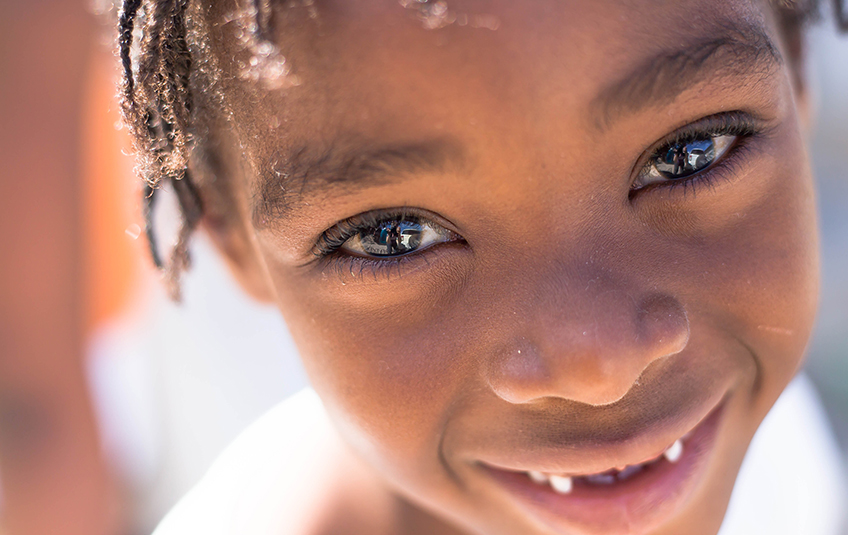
[(592, 351)]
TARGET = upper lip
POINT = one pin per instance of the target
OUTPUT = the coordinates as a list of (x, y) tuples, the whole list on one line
[(554, 463), (554, 450)]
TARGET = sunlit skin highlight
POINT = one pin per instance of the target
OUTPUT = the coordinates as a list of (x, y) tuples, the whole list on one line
[(571, 323)]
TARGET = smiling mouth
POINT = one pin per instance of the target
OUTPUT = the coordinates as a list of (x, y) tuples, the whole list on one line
[(634, 497), (563, 484)]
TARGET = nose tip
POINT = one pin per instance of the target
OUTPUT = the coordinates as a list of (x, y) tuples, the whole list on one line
[(595, 362)]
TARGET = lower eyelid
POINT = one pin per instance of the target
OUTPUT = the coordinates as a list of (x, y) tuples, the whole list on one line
[(360, 268)]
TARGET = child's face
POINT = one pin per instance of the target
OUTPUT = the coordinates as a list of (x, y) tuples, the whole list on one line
[(555, 298)]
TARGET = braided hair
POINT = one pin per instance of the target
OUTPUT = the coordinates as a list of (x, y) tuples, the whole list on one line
[(157, 102)]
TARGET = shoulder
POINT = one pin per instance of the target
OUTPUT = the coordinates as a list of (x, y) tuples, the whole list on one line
[(257, 484), (791, 481)]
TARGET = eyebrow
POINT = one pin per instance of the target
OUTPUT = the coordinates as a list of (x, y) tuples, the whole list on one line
[(732, 50), (340, 167)]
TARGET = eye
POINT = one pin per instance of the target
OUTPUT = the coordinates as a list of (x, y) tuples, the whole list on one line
[(682, 159), (394, 237), (383, 236)]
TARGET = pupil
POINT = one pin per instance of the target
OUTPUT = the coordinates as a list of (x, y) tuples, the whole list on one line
[(684, 159), (392, 238)]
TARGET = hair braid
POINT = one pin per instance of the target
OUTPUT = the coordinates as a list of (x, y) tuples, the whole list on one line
[(157, 106), (126, 26)]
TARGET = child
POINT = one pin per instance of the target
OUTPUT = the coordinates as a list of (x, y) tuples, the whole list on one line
[(548, 264)]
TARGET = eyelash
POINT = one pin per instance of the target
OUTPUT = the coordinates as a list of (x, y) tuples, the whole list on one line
[(332, 239), (736, 123), (327, 249)]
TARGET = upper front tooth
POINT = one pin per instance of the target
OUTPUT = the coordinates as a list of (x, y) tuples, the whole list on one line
[(538, 477), (561, 484), (674, 451)]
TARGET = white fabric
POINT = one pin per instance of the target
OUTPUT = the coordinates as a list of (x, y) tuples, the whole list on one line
[(791, 482)]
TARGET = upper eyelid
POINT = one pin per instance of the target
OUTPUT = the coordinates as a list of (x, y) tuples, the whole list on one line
[(707, 124)]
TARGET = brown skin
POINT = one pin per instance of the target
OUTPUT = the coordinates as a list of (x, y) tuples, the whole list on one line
[(573, 311)]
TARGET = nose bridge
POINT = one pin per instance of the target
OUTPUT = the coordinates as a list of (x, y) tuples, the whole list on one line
[(588, 337)]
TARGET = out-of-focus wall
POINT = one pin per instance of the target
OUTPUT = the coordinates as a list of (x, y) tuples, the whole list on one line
[(828, 352), (176, 383)]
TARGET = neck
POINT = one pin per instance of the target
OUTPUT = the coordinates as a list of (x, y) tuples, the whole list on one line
[(410, 519), (366, 501)]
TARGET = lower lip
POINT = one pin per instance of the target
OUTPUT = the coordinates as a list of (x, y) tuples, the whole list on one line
[(636, 505)]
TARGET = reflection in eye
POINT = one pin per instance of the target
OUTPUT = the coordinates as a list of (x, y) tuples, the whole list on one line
[(394, 237), (683, 159)]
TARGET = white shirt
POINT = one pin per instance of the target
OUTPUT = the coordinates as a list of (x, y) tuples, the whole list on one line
[(791, 482)]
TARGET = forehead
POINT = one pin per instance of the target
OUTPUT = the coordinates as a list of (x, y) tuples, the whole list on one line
[(520, 50), (373, 76)]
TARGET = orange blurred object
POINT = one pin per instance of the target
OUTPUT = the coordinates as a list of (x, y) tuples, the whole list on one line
[(112, 221)]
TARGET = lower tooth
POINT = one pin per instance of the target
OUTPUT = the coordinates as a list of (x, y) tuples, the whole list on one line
[(561, 484), (538, 477), (674, 451)]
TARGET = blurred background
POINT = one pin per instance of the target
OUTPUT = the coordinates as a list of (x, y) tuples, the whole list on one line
[(113, 399)]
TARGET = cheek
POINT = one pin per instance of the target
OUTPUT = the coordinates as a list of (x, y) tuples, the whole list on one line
[(387, 367), (753, 265), (768, 269)]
